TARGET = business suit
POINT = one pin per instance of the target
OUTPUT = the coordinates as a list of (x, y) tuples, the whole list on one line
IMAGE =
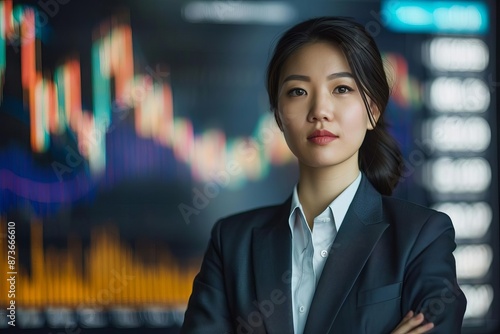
[(389, 256)]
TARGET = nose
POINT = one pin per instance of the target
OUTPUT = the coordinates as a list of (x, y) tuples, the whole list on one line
[(321, 108)]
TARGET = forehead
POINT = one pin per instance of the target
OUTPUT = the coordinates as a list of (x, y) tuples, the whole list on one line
[(316, 57)]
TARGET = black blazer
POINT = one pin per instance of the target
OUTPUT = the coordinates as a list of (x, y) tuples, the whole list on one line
[(390, 256)]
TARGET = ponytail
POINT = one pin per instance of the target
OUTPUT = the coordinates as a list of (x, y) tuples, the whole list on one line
[(380, 159)]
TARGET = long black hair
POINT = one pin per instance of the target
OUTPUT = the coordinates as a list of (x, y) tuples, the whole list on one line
[(380, 158)]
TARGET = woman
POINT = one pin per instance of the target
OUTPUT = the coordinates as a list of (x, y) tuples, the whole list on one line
[(285, 268)]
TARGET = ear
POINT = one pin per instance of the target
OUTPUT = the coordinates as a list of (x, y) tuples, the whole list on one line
[(373, 116)]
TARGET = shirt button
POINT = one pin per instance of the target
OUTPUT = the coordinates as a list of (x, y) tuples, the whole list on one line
[(302, 309), (324, 253)]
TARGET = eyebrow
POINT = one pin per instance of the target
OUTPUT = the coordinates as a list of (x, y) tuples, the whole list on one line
[(329, 77)]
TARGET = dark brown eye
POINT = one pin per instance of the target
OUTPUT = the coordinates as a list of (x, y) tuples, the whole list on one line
[(297, 92), (342, 89)]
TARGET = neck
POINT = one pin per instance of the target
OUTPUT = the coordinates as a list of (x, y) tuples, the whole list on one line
[(318, 187)]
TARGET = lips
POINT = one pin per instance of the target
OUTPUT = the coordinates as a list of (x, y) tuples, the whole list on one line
[(321, 137)]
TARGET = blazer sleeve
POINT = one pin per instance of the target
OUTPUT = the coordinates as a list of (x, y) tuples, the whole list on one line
[(430, 284), (207, 310)]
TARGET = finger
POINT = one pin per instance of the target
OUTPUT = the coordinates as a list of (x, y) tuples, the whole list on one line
[(422, 329), (408, 315), (408, 324), (403, 321)]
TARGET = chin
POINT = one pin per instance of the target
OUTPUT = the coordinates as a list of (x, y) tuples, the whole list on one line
[(329, 161), (321, 164)]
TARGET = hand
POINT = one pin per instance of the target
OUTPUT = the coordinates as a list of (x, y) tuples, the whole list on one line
[(412, 324)]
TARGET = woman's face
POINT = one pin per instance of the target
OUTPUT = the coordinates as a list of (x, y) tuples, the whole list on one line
[(320, 109)]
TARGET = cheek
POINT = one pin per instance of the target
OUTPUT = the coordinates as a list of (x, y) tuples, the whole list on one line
[(288, 116), (291, 128), (355, 119)]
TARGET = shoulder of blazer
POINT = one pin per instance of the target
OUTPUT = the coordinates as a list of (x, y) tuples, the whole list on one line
[(411, 215), (400, 205), (246, 221)]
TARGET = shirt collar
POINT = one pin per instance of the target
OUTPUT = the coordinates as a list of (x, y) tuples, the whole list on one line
[(338, 206)]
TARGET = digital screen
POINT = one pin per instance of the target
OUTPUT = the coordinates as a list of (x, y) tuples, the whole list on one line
[(127, 129)]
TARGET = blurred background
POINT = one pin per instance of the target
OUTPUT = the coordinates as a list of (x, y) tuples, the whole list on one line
[(127, 128)]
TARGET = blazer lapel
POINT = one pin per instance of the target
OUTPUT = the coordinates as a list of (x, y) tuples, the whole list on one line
[(271, 249), (360, 231)]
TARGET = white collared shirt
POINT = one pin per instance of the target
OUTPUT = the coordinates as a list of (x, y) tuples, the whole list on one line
[(310, 249)]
